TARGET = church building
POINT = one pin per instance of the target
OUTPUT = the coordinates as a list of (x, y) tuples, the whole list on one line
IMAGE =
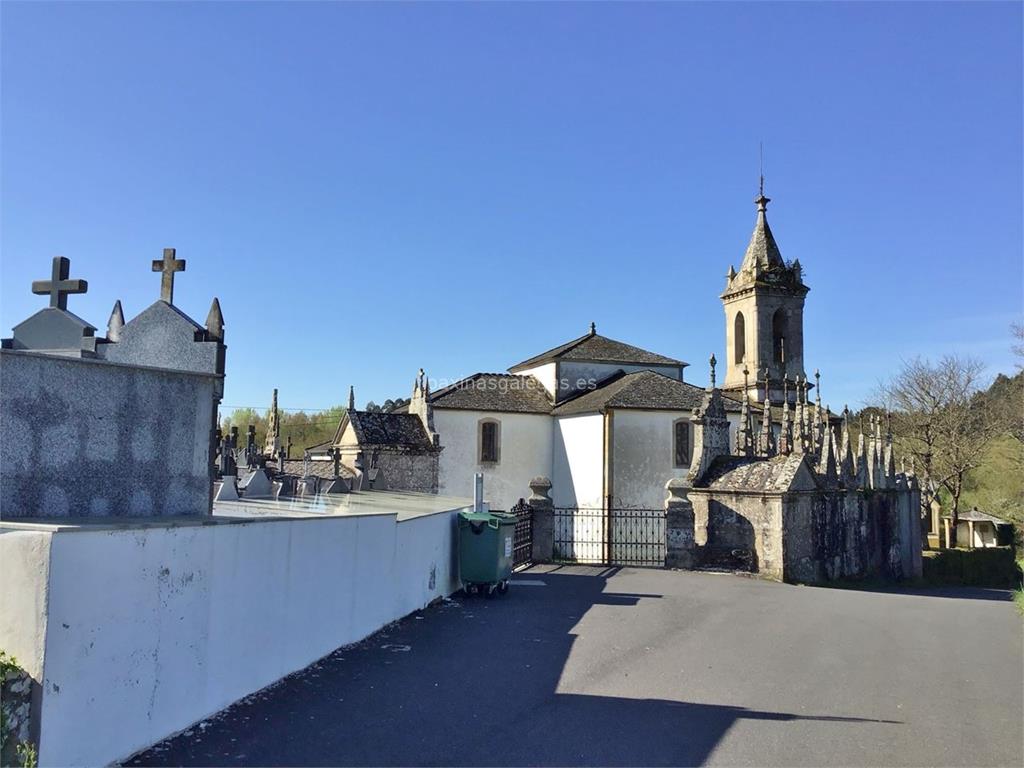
[(610, 423)]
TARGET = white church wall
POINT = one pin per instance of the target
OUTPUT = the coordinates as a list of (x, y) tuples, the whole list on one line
[(152, 628), (524, 453), (643, 456), (577, 475), (546, 374)]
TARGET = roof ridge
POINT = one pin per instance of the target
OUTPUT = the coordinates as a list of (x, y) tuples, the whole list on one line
[(558, 349)]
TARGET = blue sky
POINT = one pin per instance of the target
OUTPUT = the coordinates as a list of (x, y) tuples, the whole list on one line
[(372, 188)]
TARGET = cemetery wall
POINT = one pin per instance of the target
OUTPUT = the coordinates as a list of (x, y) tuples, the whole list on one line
[(85, 437), (168, 624)]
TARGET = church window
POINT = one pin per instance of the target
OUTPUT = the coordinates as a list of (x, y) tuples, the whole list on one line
[(681, 442), (779, 336), (490, 441), (739, 333)]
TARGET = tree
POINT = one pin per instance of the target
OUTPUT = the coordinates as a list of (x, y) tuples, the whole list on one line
[(941, 418), (1017, 329)]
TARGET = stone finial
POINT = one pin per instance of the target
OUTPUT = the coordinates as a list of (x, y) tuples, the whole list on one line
[(59, 286), (215, 322), (540, 488), (745, 433), (115, 323), (168, 265), (827, 459), (593, 328), (844, 464), (862, 468), (786, 431), (767, 437), (710, 433), (351, 397), (712, 361)]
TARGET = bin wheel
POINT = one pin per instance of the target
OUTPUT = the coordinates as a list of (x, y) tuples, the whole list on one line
[(491, 590), (503, 587), (470, 589)]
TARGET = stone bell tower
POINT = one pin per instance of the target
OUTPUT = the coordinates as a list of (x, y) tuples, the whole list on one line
[(764, 317)]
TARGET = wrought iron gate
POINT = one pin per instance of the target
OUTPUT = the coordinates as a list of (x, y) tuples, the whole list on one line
[(522, 540), (610, 536)]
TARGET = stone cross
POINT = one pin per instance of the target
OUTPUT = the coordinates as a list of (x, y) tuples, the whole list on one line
[(168, 265), (59, 286)]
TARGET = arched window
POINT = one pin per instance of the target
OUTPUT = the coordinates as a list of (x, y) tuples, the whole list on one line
[(739, 337), (681, 442), (489, 431), (779, 336)]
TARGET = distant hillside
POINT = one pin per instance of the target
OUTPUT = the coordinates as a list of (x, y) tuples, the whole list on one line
[(997, 486)]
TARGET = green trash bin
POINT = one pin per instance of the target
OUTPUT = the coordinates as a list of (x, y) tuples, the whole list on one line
[(485, 551)]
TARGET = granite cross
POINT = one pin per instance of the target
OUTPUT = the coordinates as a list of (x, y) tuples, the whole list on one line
[(59, 286), (168, 265)]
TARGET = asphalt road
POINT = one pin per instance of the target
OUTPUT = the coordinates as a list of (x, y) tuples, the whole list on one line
[(649, 667)]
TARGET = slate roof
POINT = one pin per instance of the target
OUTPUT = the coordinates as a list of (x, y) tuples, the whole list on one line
[(504, 392), (742, 473), (641, 390), (402, 430), (324, 469), (977, 516), (595, 348)]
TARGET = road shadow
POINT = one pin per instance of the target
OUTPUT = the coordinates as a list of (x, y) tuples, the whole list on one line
[(471, 681)]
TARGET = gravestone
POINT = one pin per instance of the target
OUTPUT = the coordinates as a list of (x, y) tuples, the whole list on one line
[(109, 427)]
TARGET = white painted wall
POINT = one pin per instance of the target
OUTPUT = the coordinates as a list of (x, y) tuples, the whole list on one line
[(984, 535), (24, 573), (153, 628), (546, 374), (643, 456), (525, 453), (577, 475)]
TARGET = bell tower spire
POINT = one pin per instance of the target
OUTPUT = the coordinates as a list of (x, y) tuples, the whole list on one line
[(764, 309)]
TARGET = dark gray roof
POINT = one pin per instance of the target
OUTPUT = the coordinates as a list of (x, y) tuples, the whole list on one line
[(503, 392), (977, 516), (323, 469), (400, 430), (641, 390), (741, 473), (598, 349)]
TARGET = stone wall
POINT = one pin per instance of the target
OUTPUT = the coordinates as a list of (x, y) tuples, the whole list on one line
[(409, 471), (87, 438), (740, 529), (850, 534)]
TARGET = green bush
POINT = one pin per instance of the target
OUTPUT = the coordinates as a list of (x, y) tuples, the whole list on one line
[(989, 567)]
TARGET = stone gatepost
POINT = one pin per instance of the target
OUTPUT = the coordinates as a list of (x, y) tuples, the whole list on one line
[(680, 547), (543, 548)]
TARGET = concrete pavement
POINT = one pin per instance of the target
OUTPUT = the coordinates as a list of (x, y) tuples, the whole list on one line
[(591, 666)]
